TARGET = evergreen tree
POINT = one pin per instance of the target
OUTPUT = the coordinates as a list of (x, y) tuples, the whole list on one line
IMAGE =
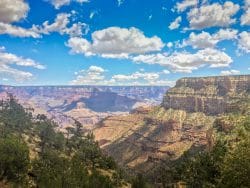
[(14, 160)]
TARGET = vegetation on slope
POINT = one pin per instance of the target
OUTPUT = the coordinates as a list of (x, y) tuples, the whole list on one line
[(227, 164), (33, 154)]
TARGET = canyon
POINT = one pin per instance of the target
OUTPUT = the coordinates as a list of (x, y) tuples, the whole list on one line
[(184, 121), (87, 104), (143, 126)]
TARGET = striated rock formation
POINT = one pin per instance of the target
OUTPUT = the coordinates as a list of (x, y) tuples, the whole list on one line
[(211, 95), (185, 121), (87, 104), (141, 140)]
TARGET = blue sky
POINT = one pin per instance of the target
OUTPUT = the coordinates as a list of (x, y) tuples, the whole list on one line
[(121, 42)]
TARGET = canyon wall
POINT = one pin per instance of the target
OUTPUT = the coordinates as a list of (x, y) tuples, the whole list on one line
[(211, 95), (184, 122)]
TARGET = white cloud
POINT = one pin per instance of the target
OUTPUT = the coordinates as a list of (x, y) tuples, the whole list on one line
[(60, 25), (96, 69), (226, 34), (9, 59), (13, 10), (244, 41), (6, 28), (115, 42), (166, 71), (206, 40), (17, 75), (213, 15), (169, 44), (59, 3), (247, 2), (186, 4), (150, 77), (245, 18), (187, 62), (120, 2), (95, 76), (92, 14), (142, 78), (229, 72), (175, 24), (202, 40), (92, 76)]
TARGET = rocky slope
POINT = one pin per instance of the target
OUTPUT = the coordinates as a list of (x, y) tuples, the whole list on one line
[(184, 121)]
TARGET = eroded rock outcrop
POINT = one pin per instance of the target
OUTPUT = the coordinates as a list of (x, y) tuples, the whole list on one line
[(211, 95), (184, 122)]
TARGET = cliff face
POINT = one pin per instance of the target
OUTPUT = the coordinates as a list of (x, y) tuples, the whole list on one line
[(185, 121), (211, 95)]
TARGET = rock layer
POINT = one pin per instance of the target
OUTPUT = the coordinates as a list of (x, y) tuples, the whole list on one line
[(184, 122), (211, 95), (87, 104)]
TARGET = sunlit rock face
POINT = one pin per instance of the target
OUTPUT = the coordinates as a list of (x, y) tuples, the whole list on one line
[(184, 122), (211, 95)]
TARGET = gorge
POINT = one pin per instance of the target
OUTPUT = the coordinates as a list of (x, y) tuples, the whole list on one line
[(183, 122)]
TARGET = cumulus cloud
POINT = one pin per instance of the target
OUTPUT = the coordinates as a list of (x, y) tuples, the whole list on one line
[(206, 40), (182, 6), (94, 75), (175, 24), (229, 72), (59, 3), (13, 10), (6, 28), (245, 18), (17, 75), (9, 59), (213, 15), (150, 77), (61, 25), (226, 34), (142, 78), (115, 42), (244, 41), (187, 62)]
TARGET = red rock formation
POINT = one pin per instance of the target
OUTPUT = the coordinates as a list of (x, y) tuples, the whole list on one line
[(211, 95)]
